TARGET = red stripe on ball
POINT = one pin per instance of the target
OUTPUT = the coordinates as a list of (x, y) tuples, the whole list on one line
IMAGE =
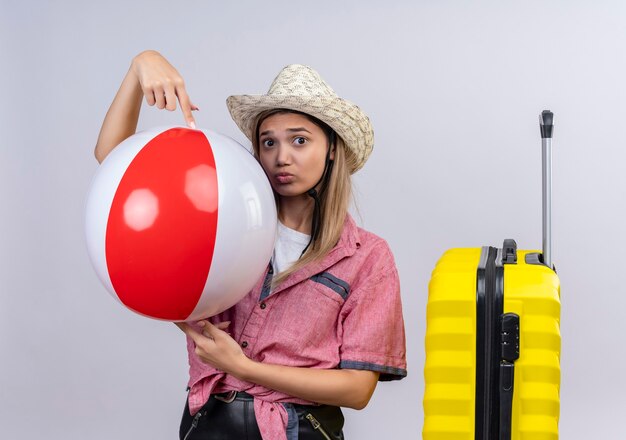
[(161, 229)]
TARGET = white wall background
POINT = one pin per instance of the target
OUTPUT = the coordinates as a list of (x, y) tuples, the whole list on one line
[(453, 89)]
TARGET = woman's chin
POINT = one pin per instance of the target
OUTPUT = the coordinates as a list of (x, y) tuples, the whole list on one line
[(288, 191)]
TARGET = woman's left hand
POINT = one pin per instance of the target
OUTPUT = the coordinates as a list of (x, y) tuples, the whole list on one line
[(216, 347), (339, 387)]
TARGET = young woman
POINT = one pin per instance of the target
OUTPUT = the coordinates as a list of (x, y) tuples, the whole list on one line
[(324, 324)]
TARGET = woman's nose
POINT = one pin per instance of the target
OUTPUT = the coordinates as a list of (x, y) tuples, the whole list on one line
[(283, 156)]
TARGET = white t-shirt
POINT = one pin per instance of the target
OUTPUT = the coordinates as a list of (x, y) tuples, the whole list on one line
[(288, 248)]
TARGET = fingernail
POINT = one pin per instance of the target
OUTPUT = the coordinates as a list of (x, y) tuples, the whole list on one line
[(192, 125), (201, 324)]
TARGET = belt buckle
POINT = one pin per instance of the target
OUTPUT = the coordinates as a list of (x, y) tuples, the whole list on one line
[(228, 397)]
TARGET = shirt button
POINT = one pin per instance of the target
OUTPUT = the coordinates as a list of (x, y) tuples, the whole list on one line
[(263, 305), (244, 344)]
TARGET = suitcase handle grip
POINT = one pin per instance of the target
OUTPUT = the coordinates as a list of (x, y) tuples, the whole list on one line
[(546, 124)]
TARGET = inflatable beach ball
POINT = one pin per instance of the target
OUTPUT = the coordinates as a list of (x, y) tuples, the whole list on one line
[(180, 224)]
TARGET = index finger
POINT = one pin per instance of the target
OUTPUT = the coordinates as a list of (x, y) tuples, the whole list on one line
[(185, 106), (189, 331)]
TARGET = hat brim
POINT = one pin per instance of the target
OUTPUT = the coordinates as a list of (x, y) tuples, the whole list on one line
[(346, 118)]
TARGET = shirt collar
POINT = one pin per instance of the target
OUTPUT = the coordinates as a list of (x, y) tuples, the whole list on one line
[(348, 243)]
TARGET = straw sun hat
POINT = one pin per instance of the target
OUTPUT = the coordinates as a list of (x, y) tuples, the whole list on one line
[(301, 88)]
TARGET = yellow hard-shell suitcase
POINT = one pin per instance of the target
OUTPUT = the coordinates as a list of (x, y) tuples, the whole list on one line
[(492, 339)]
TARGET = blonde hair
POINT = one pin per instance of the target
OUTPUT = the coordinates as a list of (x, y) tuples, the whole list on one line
[(334, 200)]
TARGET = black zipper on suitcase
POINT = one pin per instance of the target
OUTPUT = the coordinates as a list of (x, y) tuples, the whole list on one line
[(489, 305), (497, 346)]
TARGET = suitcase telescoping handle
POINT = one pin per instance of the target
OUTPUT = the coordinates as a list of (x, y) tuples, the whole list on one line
[(546, 125)]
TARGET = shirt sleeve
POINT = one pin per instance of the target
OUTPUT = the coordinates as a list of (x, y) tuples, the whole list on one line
[(372, 325)]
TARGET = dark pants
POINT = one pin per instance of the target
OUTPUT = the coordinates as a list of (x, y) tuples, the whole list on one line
[(219, 420)]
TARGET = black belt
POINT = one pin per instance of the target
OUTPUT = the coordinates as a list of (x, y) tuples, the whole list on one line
[(231, 415), (231, 396)]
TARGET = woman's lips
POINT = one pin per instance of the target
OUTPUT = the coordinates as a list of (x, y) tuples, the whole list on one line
[(284, 178)]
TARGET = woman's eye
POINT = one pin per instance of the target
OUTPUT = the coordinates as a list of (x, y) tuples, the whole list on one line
[(268, 143), (300, 140)]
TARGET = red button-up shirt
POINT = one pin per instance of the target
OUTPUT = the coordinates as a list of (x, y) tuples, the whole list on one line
[(342, 312)]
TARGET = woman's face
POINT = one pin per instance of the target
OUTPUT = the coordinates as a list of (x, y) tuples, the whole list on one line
[(292, 151)]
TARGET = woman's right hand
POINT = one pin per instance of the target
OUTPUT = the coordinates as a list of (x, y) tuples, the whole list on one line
[(150, 76), (161, 84)]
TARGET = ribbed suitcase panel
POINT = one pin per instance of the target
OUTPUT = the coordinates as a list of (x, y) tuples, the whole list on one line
[(450, 369), (533, 292)]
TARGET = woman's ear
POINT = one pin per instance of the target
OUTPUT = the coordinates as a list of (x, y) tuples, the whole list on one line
[(332, 144)]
